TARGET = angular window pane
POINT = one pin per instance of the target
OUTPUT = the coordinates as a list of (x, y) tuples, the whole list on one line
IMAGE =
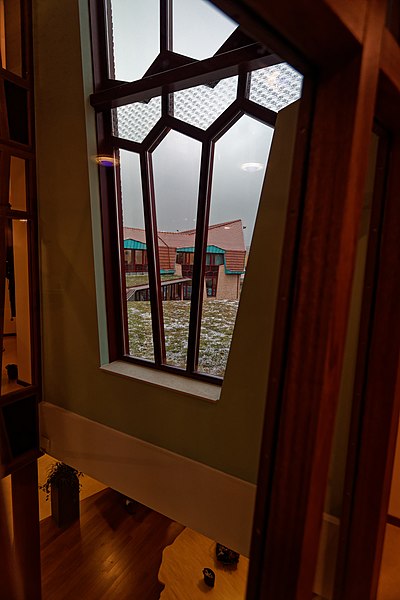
[(275, 87), (10, 36), (136, 280), (234, 202), (176, 164), (135, 37), (201, 105), (17, 184), (200, 28), (16, 361), (134, 121)]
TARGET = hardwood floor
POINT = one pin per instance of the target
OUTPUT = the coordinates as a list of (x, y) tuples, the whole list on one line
[(182, 570), (109, 553), (389, 581)]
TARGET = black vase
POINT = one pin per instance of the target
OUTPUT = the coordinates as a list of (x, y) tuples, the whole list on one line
[(209, 577), (65, 501), (12, 372)]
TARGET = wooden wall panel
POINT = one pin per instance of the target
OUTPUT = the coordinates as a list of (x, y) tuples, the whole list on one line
[(342, 124), (382, 406), (321, 32)]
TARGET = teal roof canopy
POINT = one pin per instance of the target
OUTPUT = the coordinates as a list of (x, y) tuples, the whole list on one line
[(209, 250), (134, 245)]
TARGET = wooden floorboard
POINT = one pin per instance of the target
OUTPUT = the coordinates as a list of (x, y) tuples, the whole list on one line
[(109, 553), (182, 570)]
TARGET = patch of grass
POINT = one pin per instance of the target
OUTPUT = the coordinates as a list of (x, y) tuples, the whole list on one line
[(215, 338)]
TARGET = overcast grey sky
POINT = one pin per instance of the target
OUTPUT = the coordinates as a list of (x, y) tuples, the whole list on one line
[(199, 29), (176, 162), (235, 192)]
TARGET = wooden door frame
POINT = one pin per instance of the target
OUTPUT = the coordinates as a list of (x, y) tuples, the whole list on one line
[(375, 441), (302, 395)]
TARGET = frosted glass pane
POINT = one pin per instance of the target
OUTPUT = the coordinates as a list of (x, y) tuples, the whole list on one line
[(201, 105), (176, 166), (275, 87), (235, 197), (136, 280), (134, 121), (135, 31), (200, 28)]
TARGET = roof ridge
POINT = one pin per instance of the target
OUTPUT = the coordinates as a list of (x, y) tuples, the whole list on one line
[(188, 231)]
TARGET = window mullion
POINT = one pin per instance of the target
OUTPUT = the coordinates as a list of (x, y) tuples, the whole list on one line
[(243, 90), (214, 68), (203, 211), (165, 25), (150, 220), (110, 40)]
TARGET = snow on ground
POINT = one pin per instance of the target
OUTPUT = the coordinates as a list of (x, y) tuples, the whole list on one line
[(218, 321)]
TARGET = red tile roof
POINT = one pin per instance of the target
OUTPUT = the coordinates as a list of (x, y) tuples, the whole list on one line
[(228, 236)]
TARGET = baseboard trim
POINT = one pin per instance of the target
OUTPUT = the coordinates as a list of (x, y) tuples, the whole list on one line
[(212, 502)]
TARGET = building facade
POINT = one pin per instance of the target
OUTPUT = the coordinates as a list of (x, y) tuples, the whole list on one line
[(225, 262)]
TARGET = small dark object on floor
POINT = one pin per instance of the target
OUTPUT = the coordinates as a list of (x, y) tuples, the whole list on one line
[(129, 505), (226, 556), (209, 577)]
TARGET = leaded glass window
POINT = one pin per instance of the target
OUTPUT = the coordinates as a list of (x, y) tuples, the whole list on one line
[(188, 134)]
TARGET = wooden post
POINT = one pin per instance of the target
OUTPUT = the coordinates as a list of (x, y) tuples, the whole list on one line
[(25, 503)]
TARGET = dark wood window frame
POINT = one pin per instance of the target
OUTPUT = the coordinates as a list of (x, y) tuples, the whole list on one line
[(109, 94)]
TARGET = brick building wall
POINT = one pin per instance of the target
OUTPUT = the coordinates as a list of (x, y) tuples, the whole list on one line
[(228, 285)]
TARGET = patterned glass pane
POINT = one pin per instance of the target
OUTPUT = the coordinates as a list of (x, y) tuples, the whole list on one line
[(135, 37), (134, 121), (275, 87), (201, 105), (200, 28)]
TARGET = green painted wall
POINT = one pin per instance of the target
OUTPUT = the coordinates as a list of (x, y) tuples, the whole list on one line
[(225, 435)]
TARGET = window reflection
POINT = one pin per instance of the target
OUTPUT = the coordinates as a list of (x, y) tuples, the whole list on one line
[(16, 360), (10, 36), (17, 194)]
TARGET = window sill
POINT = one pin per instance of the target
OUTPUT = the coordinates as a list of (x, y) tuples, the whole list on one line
[(189, 387)]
